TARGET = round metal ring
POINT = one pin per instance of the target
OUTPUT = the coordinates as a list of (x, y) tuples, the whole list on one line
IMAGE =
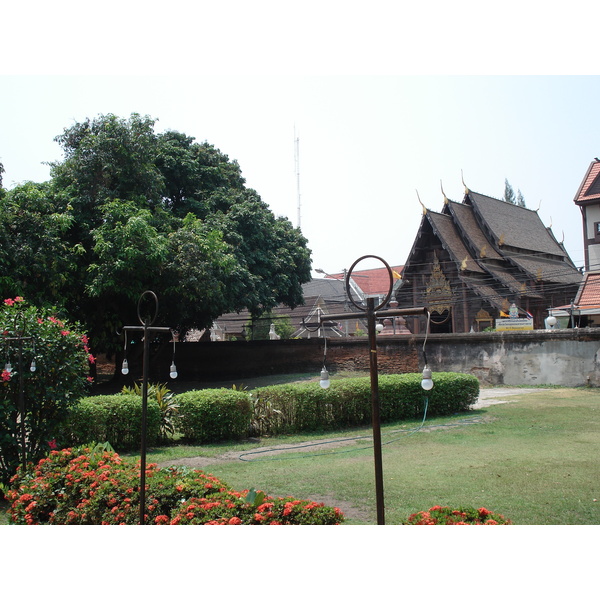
[(389, 270), (155, 308)]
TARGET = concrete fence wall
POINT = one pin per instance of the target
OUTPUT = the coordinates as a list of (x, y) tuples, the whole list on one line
[(567, 357)]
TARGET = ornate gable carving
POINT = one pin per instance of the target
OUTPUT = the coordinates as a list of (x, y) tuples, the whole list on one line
[(438, 293)]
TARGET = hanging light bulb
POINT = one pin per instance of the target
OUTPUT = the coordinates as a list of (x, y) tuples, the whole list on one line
[(379, 327), (125, 367), (173, 371), (32, 366), (324, 382), (427, 382), (8, 367)]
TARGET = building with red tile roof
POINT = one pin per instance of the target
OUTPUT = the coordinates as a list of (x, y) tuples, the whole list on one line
[(587, 199)]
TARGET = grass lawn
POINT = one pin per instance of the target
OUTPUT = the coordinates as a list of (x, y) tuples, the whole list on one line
[(533, 459)]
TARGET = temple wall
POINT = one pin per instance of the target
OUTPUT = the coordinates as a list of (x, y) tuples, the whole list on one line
[(569, 357)]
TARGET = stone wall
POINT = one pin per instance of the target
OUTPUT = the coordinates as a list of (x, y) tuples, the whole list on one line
[(567, 357)]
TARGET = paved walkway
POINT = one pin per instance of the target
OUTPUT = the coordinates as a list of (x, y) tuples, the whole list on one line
[(489, 396)]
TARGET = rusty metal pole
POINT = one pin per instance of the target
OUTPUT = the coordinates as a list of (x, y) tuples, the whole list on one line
[(145, 365), (146, 328), (373, 312), (375, 416)]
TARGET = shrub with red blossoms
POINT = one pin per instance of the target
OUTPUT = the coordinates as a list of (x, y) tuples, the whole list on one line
[(62, 357), (93, 486), (444, 515)]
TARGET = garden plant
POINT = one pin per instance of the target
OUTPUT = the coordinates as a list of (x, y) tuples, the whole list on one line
[(95, 486), (55, 359)]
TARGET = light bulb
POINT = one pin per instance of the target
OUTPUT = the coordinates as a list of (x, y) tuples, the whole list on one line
[(32, 367), (125, 367), (379, 327), (8, 367), (173, 371), (427, 382), (551, 320), (324, 382)]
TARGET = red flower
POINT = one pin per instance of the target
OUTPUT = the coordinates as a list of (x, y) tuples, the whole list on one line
[(235, 521), (6, 375), (91, 358), (52, 444), (9, 301)]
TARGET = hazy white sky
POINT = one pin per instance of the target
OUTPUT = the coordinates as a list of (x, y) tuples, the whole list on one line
[(376, 122)]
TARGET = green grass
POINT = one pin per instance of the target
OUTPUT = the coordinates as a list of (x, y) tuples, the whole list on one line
[(533, 460)]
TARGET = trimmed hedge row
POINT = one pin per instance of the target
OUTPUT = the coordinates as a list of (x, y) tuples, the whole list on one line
[(347, 402), (202, 416), (115, 419), (214, 415)]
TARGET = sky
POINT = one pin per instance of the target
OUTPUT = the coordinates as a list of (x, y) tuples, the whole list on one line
[(343, 123), (348, 157)]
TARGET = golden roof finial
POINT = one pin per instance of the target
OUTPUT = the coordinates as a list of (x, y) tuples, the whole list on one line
[(463, 182), (443, 193), (419, 197), (501, 240)]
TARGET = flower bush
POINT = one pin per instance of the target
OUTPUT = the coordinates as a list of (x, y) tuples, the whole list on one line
[(62, 356), (93, 486), (444, 515)]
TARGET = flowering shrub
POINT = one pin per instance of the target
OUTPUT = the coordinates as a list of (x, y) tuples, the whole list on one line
[(86, 486), (444, 515), (62, 357)]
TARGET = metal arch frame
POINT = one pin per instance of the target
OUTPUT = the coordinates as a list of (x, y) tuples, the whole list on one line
[(348, 276), (372, 313), (145, 327)]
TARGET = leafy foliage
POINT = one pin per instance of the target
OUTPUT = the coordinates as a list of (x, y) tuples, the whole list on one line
[(93, 486), (307, 407), (166, 402), (129, 209), (62, 358), (444, 515), (115, 418), (214, 415)]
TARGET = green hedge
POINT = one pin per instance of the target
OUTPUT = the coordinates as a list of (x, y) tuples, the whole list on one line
[(347, 402), (213, 415), (116, 419)]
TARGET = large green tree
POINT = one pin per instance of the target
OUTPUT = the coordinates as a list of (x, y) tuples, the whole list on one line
[(129, 209)]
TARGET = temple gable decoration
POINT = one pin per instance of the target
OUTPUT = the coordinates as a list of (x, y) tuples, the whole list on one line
[(438, 293)]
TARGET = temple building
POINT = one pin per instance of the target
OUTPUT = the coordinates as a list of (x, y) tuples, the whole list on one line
[(482, 259)]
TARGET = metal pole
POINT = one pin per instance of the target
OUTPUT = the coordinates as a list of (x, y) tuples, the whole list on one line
[(22, 406), (145, 363), (375, 416)]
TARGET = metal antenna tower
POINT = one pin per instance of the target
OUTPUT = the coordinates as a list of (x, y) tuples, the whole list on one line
[(297, 163)]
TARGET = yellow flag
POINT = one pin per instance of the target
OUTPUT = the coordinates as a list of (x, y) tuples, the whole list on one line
[(396, 275)]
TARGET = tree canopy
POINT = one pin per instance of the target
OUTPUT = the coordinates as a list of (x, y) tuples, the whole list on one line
[(129, 209), (509, 195)]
